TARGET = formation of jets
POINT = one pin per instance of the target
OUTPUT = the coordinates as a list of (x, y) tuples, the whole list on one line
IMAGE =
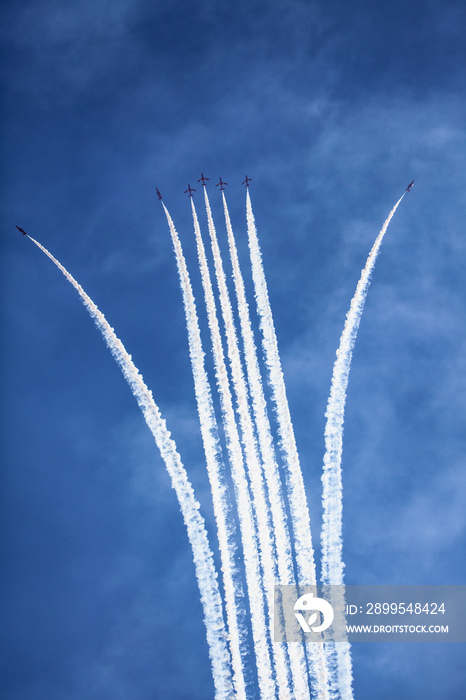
[(203, 180)]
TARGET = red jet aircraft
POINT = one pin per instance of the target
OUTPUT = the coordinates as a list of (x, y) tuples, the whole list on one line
[(203, 179), (21, 230), (221, 184), (409, 186), (247, 181), (190, 190)]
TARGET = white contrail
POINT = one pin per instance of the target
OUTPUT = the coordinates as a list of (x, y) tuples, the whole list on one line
[(286, 574), (202, 554), (298, 504), (251, 451), (226, 529), (300, 520), (259, 628), (331, 538)]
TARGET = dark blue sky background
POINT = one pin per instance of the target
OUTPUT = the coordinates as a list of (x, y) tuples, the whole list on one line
[(332, 108)]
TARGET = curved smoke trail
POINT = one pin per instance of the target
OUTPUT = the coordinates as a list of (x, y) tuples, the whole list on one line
[(332, 562), (298, 503), (279, 521), (300, 520), (260, 632), (202, 554), (266, 537), (226, 528)]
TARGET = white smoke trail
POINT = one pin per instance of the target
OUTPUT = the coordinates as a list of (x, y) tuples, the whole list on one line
[(298, 504), (332, 565), (300, 520), (202, 554), (226, 528), (251, 451), (272, 477), (332, 561), (259, 628)]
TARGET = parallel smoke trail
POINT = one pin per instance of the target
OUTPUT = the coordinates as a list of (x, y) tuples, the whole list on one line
[(298, 504), (304, 550), (245, 515), (226, 529), (332, 562), (272, 477), (251, 451), (202, 554)]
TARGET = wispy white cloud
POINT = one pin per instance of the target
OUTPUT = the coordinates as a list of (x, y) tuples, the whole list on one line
[(71, 46)]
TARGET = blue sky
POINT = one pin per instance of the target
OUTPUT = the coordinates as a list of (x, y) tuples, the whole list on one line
[(332, 108)]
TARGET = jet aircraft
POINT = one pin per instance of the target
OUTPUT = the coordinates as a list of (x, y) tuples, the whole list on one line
[(409, 186), (158, 193), (203, 179), (190, 190), (21, 230), (247, 181), (221, 184)]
